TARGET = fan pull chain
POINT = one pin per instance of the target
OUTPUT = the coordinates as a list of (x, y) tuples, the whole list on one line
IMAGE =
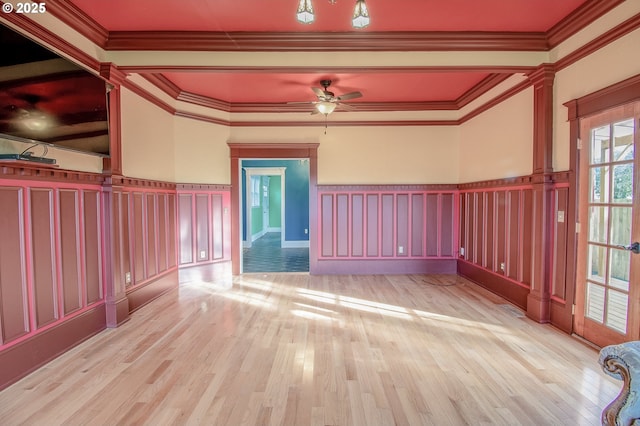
[(325, 123)]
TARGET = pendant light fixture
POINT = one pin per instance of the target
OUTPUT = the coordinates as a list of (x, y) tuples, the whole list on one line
[(305, 12), (360, 15)]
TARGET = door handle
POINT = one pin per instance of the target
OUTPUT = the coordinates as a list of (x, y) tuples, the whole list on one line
[(633, 248)]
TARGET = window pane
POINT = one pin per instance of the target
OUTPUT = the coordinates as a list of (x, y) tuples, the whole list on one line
[(595, 302), (617, 310), (619, 269), (623, 183), (621, 225), (597, 262), (623, 140), (599, 184), (598, 224), (600, 145)]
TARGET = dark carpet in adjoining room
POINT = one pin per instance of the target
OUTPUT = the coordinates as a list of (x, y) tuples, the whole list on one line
[(266, 255)]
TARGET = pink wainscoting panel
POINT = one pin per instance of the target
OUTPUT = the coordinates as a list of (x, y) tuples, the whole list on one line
[(163, 251), (203, 230), (342, 227), (152, 242), (357, 225), (373, 228), (432, 225), (327, 223), (387, 219), (478, 237), (217, 221), (126, 241), (527, 226), (402, 225), (559, 268), (514, 237), (417, 224), (14, 317), (407, 228), (488, 246), (92, 246), (72, 291), (43, 256), (500, 241), (172, 241), (186, 228), (138, 231)]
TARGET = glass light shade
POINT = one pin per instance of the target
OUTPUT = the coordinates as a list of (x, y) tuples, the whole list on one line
[(305, 12), (360, 15), (325, 107)]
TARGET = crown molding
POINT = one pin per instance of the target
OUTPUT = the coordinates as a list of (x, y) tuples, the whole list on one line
[(74, 17), (580, 18)]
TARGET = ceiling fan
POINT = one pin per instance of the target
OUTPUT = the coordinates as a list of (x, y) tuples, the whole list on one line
[(327, 101)]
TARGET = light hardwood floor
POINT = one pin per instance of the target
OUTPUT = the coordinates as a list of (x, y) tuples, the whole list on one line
[(295, 349)]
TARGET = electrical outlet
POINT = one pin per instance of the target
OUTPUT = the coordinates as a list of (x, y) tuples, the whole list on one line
[(127, 278), (400, 250), (502, 266), (560, 216), (203, 254), (461, 251), (306, 231)]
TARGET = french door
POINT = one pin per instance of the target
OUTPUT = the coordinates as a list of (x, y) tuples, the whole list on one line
[(608, 270)]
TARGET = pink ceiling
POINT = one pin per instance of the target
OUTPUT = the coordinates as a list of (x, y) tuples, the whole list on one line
[(273, 85), (279, 15)]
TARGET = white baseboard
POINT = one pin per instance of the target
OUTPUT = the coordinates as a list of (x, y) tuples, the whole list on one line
[(295, 244)]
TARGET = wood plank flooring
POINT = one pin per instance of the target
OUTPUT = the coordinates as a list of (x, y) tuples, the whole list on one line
[(294, 349)]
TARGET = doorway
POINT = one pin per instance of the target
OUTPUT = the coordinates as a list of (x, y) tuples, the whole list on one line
[(238, 151), (275, 213), (608, 267)]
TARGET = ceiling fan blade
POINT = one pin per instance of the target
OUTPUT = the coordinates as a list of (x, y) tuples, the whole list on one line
[(319, 92), (302, 103), (346, 107), (315, 111), (352, 95)]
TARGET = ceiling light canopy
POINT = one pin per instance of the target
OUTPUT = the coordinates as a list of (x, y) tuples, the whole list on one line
[(325, 107), (305, 12)]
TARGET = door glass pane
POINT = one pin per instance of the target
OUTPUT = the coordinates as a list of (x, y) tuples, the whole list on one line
[(619, 269), (617, 310), (621, 225), (598, 224), (600, 145), (623, 140), (623, 183), (599, 184), (595, 302), (597, 260)]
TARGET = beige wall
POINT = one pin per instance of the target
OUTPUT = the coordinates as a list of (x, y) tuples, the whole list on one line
[(201, 152), (609, 65), (498, 143), (373, 154), (147, 139)]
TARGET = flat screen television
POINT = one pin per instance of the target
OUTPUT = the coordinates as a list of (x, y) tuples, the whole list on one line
[(46, 98)]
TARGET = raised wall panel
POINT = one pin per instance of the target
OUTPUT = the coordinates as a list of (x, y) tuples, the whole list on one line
[(558, 284), (342, 225), (172, 237), (13, 287), (217, 208), (357, 225), (162, 233), (372, 225), (479, 225), (152, 262), (500, 242), (402, 225), (125, 236), (326, 206), (489, 249), (92, 246), (471, 229), (387, 219), (463, 223), (417, 224), (186, 230), (70, 250), (139, 272), (43, 256), (447, 225), (202, 227), (527, 227), (513, 234)]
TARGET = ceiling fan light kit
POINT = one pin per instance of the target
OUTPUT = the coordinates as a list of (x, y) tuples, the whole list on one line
[(326, 107), (305, 12), (360, 19)]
